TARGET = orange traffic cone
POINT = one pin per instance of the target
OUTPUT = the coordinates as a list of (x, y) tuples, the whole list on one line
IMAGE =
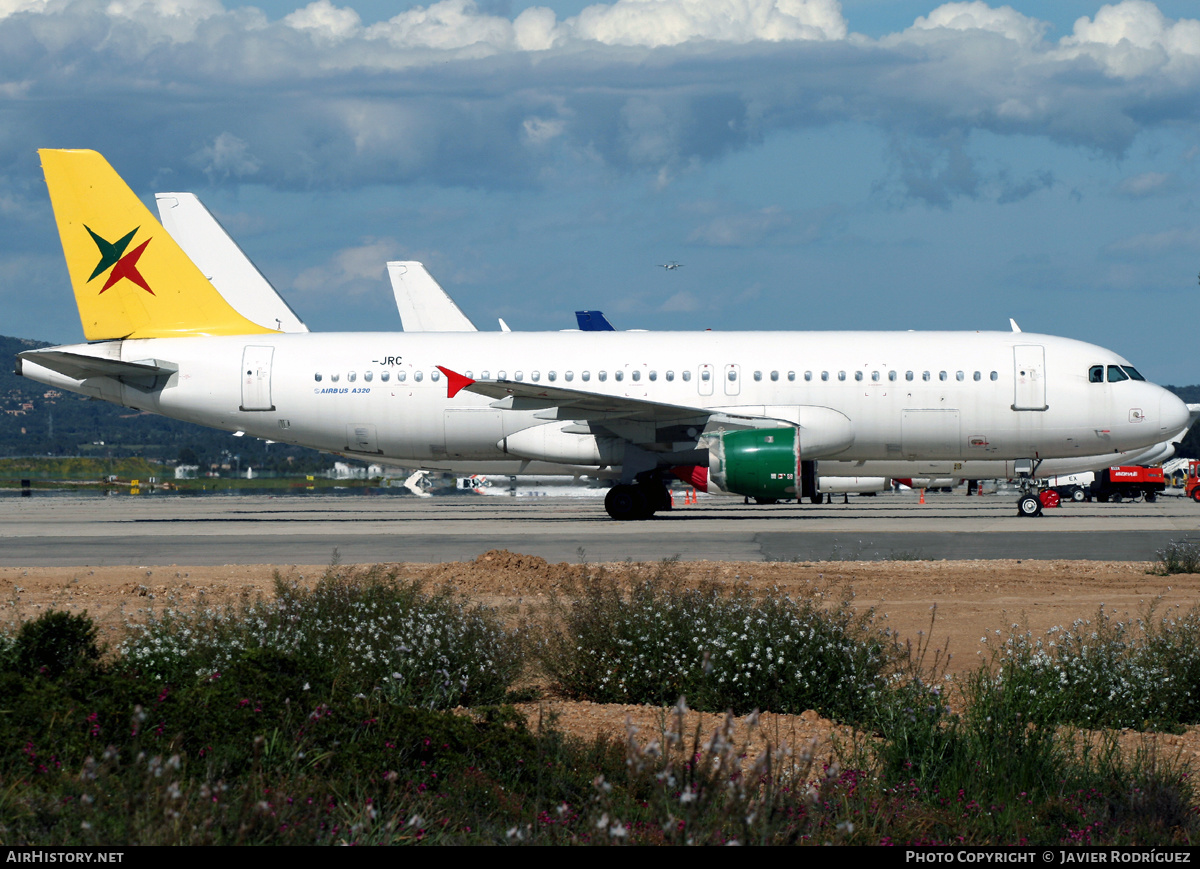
[(922, 501)]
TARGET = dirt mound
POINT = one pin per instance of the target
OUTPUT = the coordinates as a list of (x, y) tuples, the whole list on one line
[(501, 572)]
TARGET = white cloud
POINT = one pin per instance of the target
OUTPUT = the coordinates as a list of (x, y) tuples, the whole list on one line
[(454, 94), (351, 271), (977, 15), (1145, 184), (323, 19), (654, 23), (1133, 38), (741, 229), (1153, 244), (228, 156)]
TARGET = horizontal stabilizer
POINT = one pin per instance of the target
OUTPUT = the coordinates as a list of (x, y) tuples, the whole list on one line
[(80, 366)]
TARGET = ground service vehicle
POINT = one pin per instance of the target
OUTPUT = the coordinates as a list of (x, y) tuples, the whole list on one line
[(1128, 481)]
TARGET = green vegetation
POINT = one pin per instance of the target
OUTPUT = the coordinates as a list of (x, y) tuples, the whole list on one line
[(1179, 556), (722, 650), (321, 716)]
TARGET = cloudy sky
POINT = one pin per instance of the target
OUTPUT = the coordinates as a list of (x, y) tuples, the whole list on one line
[(878, 164)]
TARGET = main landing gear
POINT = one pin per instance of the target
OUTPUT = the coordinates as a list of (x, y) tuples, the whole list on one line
[(640, 500)]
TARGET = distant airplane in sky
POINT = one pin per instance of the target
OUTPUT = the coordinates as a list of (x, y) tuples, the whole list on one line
[(671, 266)]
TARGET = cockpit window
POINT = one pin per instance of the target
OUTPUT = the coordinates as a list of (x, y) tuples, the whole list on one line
[(1132, 372), (1096, 374), (1115, 374)]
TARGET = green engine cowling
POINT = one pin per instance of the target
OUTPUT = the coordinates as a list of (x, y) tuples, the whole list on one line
[(758, 463)]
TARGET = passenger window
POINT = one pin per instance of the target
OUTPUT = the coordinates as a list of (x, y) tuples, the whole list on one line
[(687, 376), (602, 376), (775, 375), (941, 375), (732, 375), (317, 377), (758, 376), (351, 376), (824, 375), (385, 376), (841, 375), (995, 375), (1115, 374), (500, 375), (978, 376), (858, 375), (1096, 374), (908, 375), (807, 375), (335, 377), (959, 376), (892, 376), (518, 376), (483, 375), (924, 375), (418, 375), (637, 375), (618, 375), (875, 375), (552, 376), (436, 375), (401, 376), (585, 376), (368, 376), (535, 375), (654, 375), (568, 376), (670, 376)]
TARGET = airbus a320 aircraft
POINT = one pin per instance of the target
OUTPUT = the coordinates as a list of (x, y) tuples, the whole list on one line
[(742, 413)]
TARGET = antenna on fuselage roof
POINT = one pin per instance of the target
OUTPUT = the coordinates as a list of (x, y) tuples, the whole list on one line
[(1014, 325)]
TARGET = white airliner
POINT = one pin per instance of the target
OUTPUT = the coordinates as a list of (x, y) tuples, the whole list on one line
[(746, 413), (424, 306)]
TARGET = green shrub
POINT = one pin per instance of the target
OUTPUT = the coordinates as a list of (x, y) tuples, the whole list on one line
[(1178, 556), (721, 649), (1106, 672), (53, 644), (363, 630)]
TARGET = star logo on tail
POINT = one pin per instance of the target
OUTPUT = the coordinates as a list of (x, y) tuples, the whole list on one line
[(123, 265)]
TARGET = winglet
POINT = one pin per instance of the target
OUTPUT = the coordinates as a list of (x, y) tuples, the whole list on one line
[(455, 382)]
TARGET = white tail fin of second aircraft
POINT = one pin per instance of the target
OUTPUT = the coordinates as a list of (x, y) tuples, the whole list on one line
[(223, 262), (424, 306)]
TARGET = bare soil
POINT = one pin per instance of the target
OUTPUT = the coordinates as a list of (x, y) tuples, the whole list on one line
[(951, 605)]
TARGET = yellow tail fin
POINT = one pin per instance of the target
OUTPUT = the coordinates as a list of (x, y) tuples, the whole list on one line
[(131, 279)]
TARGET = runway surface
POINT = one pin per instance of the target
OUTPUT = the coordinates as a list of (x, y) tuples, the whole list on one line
[(55, 529)]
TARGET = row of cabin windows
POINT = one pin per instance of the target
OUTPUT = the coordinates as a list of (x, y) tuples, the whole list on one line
[(385, 376), (706, 375), (1116, 373)]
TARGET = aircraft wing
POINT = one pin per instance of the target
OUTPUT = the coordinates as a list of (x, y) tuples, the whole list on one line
[(564, 403), (80, 366)]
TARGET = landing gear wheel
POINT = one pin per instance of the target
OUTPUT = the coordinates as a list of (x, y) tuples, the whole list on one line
[(1029, 505), (626, 503)]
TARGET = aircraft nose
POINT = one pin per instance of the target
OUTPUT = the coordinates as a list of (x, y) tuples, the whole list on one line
[(1173, 415)]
